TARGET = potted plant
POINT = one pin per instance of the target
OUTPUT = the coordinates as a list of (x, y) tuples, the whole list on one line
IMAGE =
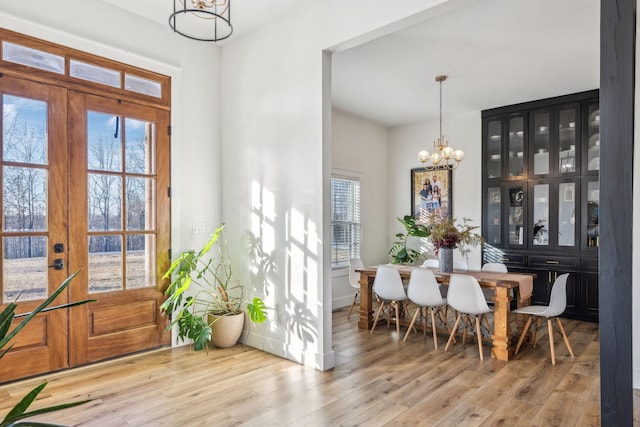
[(400, 252), (207, 301), (448, 235)]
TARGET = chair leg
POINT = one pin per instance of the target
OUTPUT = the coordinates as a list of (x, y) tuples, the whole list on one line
[(486, 323), (551, 346), (564, 336), (433, 327), (453, 331), (415, 316), (397, 320), (479, 337), (355, 297), (535, 332), (524, 333), (464, 331), (445, 321), (375, 321)]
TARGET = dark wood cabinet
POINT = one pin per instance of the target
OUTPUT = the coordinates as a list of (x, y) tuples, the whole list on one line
[(541, 194)]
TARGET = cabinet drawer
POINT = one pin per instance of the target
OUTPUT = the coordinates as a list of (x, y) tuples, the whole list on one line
[(554, 262), (589, 265), (510, 260)]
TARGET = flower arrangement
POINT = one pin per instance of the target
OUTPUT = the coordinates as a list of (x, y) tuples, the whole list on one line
[(449, 234)]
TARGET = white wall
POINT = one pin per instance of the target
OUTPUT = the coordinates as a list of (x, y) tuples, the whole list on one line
[(463, 132), (360, 148)]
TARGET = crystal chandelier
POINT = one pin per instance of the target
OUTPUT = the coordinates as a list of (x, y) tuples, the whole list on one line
[(443, 156), (204, 20)]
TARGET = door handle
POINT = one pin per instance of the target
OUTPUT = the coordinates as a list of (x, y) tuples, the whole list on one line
[(58, 264)]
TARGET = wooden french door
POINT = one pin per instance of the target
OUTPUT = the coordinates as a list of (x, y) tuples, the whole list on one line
[(84, 188)]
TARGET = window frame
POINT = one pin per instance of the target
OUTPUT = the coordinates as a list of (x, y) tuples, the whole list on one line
[(354, 177)]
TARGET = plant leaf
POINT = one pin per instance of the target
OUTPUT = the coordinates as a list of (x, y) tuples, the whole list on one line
[(257, 310)]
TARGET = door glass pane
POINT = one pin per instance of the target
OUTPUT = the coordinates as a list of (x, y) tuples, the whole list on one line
[(105, 263), (541, 214), (141, 267), (143, 86), (105, 202), (94, 73), (139, 146), (140, 203), (24, 192), (494, 148), (593, 144), (567, 140), (516, 146), (32, 57), (493, 215), (541, 143), (24, 268), (24, 130), (566, 214), (516, 216), (593, 204), (103, 141)]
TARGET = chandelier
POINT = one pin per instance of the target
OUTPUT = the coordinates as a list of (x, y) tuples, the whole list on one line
[(204, 20), (443, 156)]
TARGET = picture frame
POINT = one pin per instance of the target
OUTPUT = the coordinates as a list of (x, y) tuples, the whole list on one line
[(434, 209)]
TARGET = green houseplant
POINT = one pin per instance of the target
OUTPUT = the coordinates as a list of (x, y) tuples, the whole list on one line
[(19, 411), (400, 252), (204, 291)]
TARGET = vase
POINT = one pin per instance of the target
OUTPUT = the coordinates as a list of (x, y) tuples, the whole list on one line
[(446, 260)]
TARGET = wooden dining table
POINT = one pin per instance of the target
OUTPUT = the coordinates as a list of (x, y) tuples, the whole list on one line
[(502, 283)]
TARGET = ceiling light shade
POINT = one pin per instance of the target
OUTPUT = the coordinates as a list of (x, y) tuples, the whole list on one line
[(443, 156), (204, 20)]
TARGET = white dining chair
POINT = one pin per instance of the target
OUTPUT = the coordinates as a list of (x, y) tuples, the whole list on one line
[(424, 291), (557, 305), (354, 280), (495, 267), (466, 297), (389, 288), (461, 265), (431, 263)]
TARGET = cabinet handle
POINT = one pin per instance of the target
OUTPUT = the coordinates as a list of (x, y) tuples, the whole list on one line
[(552, 262), (504, 259)]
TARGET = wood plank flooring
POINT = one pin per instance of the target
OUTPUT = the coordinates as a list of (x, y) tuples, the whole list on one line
[(378, 381)]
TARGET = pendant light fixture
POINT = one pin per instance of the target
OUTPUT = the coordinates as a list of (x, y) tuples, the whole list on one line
[(443, 156), (204, 20)]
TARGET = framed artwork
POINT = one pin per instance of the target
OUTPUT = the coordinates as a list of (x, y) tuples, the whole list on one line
[(431, 194)]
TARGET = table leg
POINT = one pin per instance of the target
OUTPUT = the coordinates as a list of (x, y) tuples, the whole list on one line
[(365, 319), (502, 348)]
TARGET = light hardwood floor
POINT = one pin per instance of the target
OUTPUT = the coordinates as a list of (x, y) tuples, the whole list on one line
[(378, 380)]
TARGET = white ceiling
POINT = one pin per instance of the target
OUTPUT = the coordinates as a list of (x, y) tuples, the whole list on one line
[(494, 52)]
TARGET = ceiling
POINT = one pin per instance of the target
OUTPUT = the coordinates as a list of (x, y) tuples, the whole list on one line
[(494, 52)]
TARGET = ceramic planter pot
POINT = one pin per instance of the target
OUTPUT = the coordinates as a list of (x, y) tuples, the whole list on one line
[(226, 330)]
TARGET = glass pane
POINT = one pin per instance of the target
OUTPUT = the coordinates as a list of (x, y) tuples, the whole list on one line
[(141, 267), (24, 192), (493, 215), (541, 143), (104, 147), (140, 203), (32, 57), (105, 263), (541, 214), (494, 148), (24, 130), (139, 146), (567, 140), (516, 216), (516, 146), (566, 214), (143, 86), (24, 268), (94, 73), (593, 144), (593, 214), (105, 202)]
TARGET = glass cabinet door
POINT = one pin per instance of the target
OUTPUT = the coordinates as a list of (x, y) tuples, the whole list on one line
[(567, 140), (541, 125), (593, 137), (517, 214), (566, 214), (494, 149), (540, 220), (515, 148), (592, 214), (494, 204)]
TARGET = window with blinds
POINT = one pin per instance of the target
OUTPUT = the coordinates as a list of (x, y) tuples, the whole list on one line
[(345, 221)]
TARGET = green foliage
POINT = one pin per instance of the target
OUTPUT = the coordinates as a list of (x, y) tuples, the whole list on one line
[(19, 412), (449, 234), (214, 289), (400, 252)]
